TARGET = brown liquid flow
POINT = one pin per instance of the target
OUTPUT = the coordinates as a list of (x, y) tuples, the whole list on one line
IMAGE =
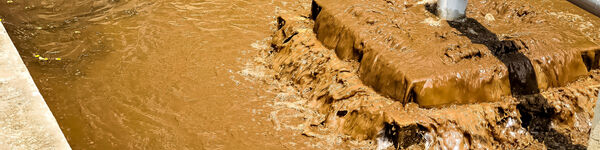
[(158, 74), (152, 74)]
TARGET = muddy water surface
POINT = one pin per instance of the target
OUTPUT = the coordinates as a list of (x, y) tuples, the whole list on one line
[(129, 74), (149, 74)]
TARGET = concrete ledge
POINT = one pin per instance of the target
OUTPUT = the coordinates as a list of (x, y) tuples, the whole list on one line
[(25, 120)]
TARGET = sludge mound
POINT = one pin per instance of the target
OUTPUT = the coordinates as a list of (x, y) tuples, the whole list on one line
[(387, 71)]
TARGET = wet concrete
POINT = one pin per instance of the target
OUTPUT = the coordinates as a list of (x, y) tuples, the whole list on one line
[(25, 120), (594, 141)]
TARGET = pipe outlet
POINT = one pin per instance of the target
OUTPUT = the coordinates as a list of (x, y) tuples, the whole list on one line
[(452, 9)]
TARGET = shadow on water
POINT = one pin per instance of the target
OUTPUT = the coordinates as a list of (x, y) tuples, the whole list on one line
[(521, 73), (536, 114)]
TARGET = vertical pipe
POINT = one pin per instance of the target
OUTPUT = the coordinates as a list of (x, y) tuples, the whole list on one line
[(592, 6), (452, 9)]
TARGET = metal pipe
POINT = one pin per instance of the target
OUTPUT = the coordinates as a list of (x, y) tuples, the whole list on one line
[(452, 9), (592, 6)]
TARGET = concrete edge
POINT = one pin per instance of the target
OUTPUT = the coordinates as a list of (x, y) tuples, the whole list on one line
[(594, 141), (26, 122)]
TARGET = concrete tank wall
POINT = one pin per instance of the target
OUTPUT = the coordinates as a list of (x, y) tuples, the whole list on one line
[(25, 120)]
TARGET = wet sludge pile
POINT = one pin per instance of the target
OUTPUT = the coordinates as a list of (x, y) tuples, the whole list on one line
[(390, 72)]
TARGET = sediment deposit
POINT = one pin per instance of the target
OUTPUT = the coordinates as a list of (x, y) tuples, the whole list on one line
[(382, 71)]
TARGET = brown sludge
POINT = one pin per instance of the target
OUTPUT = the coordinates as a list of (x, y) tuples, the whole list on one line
[(345, 58), (161, 74), (152, 74), (403, 57)]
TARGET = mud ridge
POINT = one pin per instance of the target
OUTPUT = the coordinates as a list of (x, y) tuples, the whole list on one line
[(333, 99), (408, 54)]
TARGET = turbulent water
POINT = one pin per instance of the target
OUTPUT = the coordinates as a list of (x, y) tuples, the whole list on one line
[(183, 74), (149, 74)]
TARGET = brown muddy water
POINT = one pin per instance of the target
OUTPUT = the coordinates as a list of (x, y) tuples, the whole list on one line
[(185, 74), (153, 74)]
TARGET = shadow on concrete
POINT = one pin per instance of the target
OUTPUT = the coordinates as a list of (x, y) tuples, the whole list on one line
[(535, 115)]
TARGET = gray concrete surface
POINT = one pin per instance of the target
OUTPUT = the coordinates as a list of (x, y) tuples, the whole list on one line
[(594, 142), (25, 120)]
